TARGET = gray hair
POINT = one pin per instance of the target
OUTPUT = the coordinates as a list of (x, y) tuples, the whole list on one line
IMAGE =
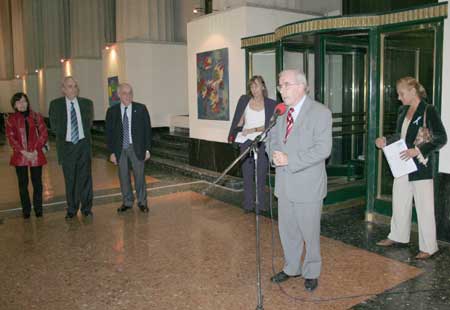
[(122, 85), (66, 78), (299, 76)]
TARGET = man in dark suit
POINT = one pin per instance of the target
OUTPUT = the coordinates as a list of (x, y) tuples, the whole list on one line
[(299, 145), (128, 136), (71, 120)]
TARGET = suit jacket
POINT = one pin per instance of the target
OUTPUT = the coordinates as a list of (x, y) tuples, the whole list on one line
[(269, 107), (58, 121), (309, 144), (141, 130), (427, 149)]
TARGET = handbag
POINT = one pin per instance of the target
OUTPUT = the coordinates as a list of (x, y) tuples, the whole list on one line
[(424, 134), (46, 146)]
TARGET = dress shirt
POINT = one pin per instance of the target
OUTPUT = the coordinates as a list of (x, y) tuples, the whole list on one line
[(122, 111), (69, 123)]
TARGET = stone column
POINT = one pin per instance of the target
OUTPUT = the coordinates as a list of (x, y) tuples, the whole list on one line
[(90, 27), (6, 43), (145, 20)]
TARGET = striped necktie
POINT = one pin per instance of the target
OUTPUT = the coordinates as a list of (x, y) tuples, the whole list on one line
[(290, 123), (125, 132), (74, 135)]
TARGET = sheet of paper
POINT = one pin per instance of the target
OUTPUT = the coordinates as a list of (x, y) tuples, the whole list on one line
[(240, 138), (399, 167)]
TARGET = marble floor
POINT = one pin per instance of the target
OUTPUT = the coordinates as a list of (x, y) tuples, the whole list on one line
[(193, 251)]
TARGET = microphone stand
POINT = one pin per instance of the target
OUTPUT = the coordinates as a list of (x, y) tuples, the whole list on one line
[(254, 149)]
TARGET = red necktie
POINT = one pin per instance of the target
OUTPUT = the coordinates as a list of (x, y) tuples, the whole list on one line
[(290, 124)]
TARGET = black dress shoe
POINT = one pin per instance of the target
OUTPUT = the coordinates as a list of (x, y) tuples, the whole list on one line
[(87, 213), (38, 214), (281, 277), (247, 211), (26, 215), (143, 208), (311, 284), (123, 208), (69, 215)]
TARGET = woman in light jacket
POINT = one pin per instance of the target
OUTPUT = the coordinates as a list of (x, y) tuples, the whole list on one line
[(418, 184)]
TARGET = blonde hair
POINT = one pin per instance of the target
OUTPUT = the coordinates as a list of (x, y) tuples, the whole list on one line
[(409, 82)]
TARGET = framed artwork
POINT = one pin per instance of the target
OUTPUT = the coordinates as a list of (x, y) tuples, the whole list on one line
[(113, 84), (213, 85)]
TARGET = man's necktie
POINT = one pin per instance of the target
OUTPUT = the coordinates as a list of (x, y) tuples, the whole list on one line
[(290, 124), (126, 133), (74, 135)]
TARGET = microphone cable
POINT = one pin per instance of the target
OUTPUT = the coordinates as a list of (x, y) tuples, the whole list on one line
[(322, 299)]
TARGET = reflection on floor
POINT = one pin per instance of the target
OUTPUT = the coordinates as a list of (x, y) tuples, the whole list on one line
[(195, 252)]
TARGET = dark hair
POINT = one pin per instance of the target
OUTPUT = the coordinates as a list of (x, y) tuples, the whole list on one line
[(17, 97), (261, 81)]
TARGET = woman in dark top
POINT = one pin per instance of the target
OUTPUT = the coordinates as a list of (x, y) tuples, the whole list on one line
[(27, 135), (252, 116), (418, 184)]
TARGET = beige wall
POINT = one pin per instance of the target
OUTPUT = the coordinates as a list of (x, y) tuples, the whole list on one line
[(215, 31), (157, 73)]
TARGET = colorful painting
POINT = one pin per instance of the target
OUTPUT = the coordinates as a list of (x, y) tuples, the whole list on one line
[(113, 84), (212, 85)]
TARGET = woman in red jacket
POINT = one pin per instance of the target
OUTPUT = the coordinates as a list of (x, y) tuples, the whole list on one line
[(27, 135)]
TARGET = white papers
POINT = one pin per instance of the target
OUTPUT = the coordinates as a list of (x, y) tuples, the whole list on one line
[(399, 167), (240, 138)]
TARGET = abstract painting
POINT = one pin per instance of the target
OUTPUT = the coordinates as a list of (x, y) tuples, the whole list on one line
[(113, 84), (213, 85)]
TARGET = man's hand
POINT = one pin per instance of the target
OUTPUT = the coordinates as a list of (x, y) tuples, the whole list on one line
[(147, 155), (113, 159), (280, 158)]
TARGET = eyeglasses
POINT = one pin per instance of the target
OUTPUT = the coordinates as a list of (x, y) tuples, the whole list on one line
[(286, 85)]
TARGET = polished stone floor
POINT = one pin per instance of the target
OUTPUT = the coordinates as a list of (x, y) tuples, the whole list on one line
[(193, 251)]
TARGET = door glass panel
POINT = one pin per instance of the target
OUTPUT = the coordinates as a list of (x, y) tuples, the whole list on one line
[(345, 95), (406, 53), (263, 63)]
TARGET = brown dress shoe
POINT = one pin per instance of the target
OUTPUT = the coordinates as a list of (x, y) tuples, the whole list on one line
[(386, 242), (423, 255)]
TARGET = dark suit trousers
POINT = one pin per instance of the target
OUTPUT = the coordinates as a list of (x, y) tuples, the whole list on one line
[(78, 176), (36, 180), (248, 173)]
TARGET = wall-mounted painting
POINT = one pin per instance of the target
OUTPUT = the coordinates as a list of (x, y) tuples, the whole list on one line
[(213, 85), (113, 84)]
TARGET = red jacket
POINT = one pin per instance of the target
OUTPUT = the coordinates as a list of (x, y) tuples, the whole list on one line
[(37, 137)]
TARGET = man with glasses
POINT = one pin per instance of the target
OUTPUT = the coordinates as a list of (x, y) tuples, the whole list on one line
[(299, 144), (128, 137), (71, 120)]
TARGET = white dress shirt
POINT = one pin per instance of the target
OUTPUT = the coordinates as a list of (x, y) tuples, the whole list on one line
[(297, 108), (69, 123), (122, 111)]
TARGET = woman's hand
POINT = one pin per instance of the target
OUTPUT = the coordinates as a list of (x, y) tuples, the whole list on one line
[(247, 131), (409, 153), (380, 142)]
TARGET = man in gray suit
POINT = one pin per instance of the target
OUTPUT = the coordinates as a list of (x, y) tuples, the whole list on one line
[(299, 144)]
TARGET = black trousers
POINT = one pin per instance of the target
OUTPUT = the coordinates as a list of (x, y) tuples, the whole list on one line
[(78, 176), (36, 180), (248, 173)]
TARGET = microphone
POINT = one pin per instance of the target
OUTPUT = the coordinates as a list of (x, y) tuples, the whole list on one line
[(280, 109)]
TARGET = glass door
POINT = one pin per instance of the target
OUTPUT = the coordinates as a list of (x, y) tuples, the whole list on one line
[(345, 73)]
